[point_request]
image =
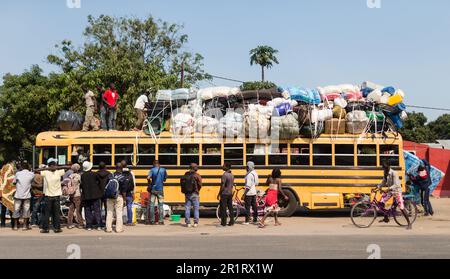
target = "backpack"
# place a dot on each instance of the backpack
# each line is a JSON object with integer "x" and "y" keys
{"x": 112, "y": 188}
{"x": 126, "y": 179}
{"x": 188, "y": 183}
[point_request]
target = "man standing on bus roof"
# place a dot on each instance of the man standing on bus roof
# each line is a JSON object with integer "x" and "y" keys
{"x": 140, "y": 110}
{"x": 226, "y": 195}
{"x": 191, "y": 190}
{"x": 156, "y": 178}
{"x": 110, "y": 98}
{"x": 91, "y": 108}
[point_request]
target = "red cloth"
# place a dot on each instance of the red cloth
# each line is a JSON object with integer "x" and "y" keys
{"x": 111, "y": 97}
{"x": 271, "y": 197}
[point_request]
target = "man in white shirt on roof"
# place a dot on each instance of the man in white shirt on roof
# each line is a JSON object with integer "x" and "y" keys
{"x": 140, "y": 110}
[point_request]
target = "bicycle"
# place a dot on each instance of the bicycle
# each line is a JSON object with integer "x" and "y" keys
{"x": 364, "y": 213}
{"x": 239, "y": 205}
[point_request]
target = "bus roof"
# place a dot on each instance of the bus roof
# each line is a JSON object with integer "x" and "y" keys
{"x": 53, "y": 138}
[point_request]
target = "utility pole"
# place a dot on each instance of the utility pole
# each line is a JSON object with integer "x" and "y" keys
{"x": 182, "y": 74}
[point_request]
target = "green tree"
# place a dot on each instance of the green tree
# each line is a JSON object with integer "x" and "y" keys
{"x": 441, "y": 127}
{"x": 135, "y": 54}
{"x": 263, "y": 56}
{"x": 415, "y": 129}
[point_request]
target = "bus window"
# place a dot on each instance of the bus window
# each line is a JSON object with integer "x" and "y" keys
{"x": 234, "y": 154}
{"x": 123, "y": 152}
{"x": 102, "y": 153}
{"x": 47, "y": 153}
{"x": 80, "y": 153}
{"x": 278, "y": 154}
{"x": 189, "y": 154}
{"x": 168, "y": 154}
{"x": 145, "y": 154}
{"x": 257, "y": 154}
{"x": 61, "y": 155}
{"x": 344, "y": 154}
{"x": 322, "y": 155}
{"x": 300, "y": 154}
{"x": 212, "y": 155}
{"x": 390, "y": 152}
{"x": 367, "y": 155}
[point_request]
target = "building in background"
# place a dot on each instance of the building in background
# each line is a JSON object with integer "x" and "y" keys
{"x": 438, "y": 154}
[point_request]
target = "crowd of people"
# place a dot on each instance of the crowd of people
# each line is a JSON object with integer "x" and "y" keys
{"x": 39, "y": 192}
{"x": 37, "y": 198}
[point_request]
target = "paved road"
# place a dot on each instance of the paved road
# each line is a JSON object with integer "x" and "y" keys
{"x": 307, "y": 235}
{"x": 235, "y": 247}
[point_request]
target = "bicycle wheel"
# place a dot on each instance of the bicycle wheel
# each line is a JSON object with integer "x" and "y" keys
{"x": 363, "y": 214}
{"x": 411, "y": 210}
{"x": 236, "y": 212}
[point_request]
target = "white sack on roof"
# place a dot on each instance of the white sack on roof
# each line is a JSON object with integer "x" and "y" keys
{"x": 214, "y": 92}
{"x": 231, "y": 125}
{"x": 338, "y": 89}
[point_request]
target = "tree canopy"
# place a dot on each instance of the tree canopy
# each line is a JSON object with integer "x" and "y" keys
{"x": 263, "y": 56}
{"x": 135, "y": 54}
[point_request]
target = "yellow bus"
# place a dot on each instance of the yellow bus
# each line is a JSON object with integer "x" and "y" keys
{"x": 317, "y": 174}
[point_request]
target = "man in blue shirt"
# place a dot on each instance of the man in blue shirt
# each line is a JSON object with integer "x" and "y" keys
{"x": 156, "y": 178}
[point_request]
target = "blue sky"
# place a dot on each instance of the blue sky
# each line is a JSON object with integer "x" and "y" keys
{"x": 405, "y": 43}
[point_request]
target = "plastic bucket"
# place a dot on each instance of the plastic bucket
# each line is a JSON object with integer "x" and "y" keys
{"x": 175, "y": 218}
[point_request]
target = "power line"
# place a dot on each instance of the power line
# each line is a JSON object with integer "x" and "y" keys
{"x": 430, "y": 108}
{"x": 229, "y": 79}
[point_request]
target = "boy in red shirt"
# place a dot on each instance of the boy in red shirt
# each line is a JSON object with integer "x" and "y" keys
{"x": 109, "y": 108}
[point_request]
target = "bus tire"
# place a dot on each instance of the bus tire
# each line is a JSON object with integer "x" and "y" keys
{"x": 289, "y": 207}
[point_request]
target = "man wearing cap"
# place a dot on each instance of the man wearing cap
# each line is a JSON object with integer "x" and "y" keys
{"x": 91, "y": 195}
{"x": 52, "y": 195}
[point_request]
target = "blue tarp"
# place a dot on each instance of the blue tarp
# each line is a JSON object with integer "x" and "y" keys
{"x": 411, "y": 164}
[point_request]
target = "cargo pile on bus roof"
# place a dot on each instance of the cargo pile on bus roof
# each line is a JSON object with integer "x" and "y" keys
{"x": 277, "y": 113}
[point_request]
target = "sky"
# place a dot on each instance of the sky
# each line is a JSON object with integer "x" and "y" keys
{"x": 403, "y": 43}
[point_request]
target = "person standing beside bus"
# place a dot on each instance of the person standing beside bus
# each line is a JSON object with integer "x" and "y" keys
{"x": 109, "y": 108}
{"x": 127, "y": 182}
{"x": 91, "y": 195}
{"x": 191, "y": 190}
{"x": 423, "y": 180}
{"x": 226, "y": 195}
{"x": 104, "y": 176}
{"x": 52, "y": 195}
{"x": 37, "y": 195}
{"x": 22, "y": 197}
{"x": 75, "y": 198}
{"x": 251, "y": 181}
{"x": 275, "y": 186}
{"x": 156, "y": 178}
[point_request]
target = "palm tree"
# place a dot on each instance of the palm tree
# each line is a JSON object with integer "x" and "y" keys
{"x": 263, "y": 56}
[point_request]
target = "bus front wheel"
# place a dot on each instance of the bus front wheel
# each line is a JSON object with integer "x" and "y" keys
{"x": 287, "y": 207}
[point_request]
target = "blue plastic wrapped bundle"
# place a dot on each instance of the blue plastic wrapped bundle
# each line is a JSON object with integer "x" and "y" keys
{"x": 282, "y": 109}
{"x": 305, "y": 95}
{"x": 411, "y": 164}
{"x": 391, "y": 90}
